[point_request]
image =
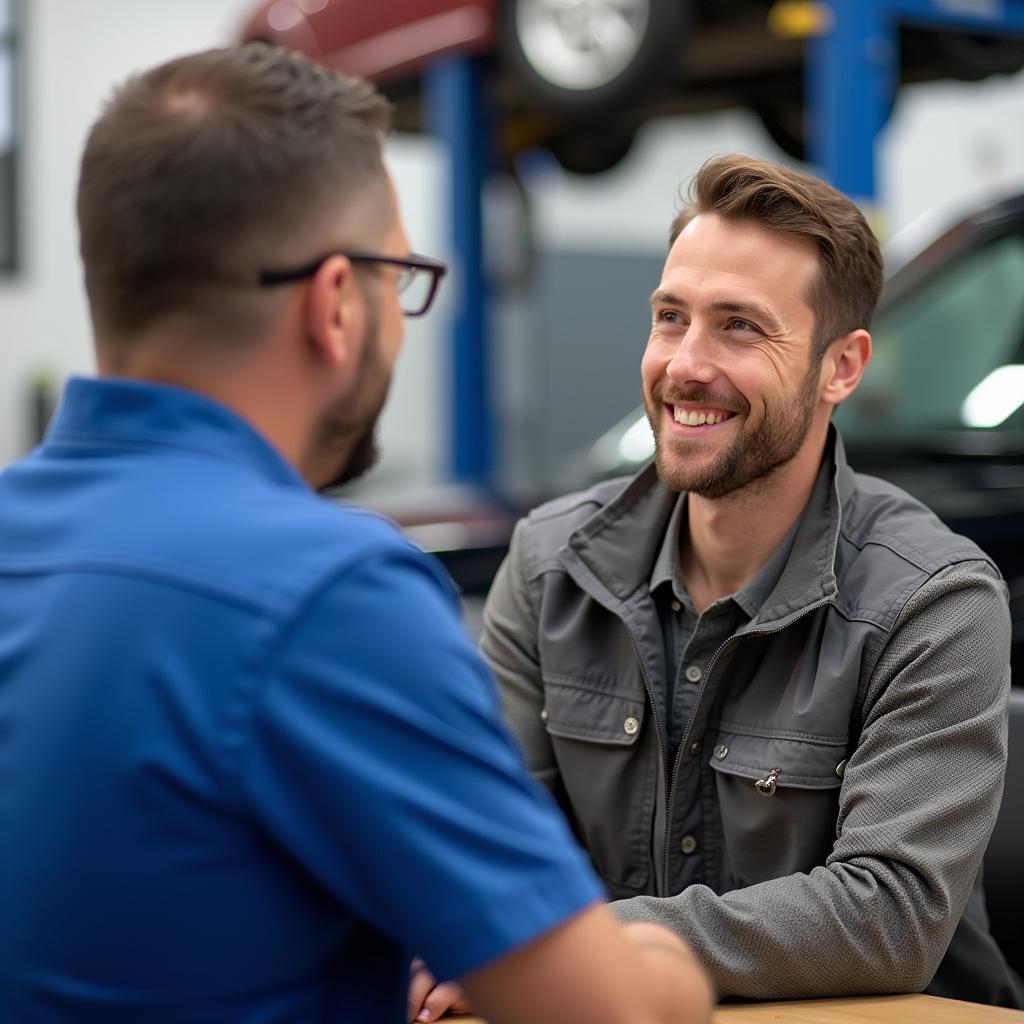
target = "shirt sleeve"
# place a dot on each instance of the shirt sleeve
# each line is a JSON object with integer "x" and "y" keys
{"x": 918, "y": 803}
{"x": 378, "y": 760}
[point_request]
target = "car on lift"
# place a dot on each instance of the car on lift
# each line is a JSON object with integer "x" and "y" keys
{"x": 578, "y": 77}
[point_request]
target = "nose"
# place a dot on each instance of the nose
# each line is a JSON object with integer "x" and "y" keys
{"x": 693, "y": 359}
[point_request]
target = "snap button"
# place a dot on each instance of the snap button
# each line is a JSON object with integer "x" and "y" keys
{"x": 841, "y": 769}
{"x": 693, "y": 674}
{"x": 695, "y": 748}
{"x": 721, "y": 752}
{"x": 688, "y": 845}
{"x": 631, "y": 725}
{"x": 544, "y": 715}
{"x": 676, "y": 606}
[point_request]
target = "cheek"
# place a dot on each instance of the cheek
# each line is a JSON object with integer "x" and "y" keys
{"x": 653, "y": 363}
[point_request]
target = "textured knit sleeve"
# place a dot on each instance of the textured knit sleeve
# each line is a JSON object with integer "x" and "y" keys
{"x": 918, "y": 803}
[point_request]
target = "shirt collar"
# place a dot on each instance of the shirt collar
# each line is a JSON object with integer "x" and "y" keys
{"x": 117, "y": 412}
{"x": 611, "y": 552}
{"x": 750, "y": 598}
{"x": 666, "y": 565}
{"x": 753, "y": 596}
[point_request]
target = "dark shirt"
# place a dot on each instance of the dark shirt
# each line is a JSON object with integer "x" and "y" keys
{"x": 691, "y": 638}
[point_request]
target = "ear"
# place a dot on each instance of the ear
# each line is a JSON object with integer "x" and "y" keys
{"x": 843, "y": 366}
{"x": 333, "y": 312}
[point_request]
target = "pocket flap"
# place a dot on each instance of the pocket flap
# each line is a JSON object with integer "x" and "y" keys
{"x": 579, "y": 713}
{"x": 801, "y": 763}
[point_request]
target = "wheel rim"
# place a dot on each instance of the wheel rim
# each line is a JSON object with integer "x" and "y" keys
{"x": 581, "y": 44}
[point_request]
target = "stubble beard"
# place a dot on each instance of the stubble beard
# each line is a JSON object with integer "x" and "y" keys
{"x": 755, "y": 453}
{"x": 350, "y": 424}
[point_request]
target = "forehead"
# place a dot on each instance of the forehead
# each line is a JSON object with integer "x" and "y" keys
{"x": 720, "y": 259}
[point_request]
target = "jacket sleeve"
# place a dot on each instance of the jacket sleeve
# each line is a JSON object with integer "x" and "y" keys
{"x": 918, "y": 803}
{"x": 508, "y": 642}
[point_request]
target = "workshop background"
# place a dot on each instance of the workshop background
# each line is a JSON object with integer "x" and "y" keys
{"x": 570, "y": 259}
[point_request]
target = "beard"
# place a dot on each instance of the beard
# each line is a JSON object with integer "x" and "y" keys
{"x": 347, "y": 432}
{"x": 756, "y": 451}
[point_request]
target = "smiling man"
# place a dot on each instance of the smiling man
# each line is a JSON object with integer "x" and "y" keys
{"x": 768, "y": 693}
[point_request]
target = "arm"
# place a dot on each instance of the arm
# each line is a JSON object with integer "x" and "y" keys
{"x": 593, "y": 972}
{"x": 375, "y": 756}
{"x": 918, "y": 802}
{"x": 644, "y": 969}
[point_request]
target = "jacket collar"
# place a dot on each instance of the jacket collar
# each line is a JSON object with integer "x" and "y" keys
{"x": 611, "y": 554}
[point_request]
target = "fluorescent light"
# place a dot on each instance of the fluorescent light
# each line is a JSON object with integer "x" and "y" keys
{"x": 996, "y": 398}
{"x": 637, "y": 443}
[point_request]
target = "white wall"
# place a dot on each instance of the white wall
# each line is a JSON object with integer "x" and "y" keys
{"x": 76, "y": 51}
{"x": 946, "y": 143}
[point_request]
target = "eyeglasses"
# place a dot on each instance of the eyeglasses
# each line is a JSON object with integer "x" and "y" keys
{"x": 417, "y": 282}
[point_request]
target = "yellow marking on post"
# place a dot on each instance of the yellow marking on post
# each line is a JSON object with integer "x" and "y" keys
{"x": 799, "y": 19}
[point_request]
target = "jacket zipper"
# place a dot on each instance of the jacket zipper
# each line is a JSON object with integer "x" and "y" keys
{"x": 684, "y": 742}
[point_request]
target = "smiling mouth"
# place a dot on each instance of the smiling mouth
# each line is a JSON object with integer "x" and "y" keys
{"x": 698, "y": 417}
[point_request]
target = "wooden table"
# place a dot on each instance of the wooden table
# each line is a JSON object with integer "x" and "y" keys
{"x": 913, "y": 1009}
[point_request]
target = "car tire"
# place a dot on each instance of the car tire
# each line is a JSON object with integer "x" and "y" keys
{"x": 961, "y": 55}
{"x": 784, "y": 123}
{"x": 547, "y": 43}
{"x": 594, "y": 151}
{"x": 779, "y": 104}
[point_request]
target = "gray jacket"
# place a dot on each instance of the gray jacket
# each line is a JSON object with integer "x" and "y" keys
{"x": 874, "y": 679}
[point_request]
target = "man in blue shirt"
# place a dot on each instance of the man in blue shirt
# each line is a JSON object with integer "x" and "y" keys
{"x": 249, "y": 764}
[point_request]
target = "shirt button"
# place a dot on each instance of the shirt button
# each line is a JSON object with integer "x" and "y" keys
{"x": 676, "y": 606}
{"x": 693, "y": 673}
{"x": 721, "y": 752}
{"x": 688, "y": 845}
{"x": 544, "y": 715}
{"x": 631, "y": 726}
{"x": 841, "y": 769}
{"x": 694, "y": 748}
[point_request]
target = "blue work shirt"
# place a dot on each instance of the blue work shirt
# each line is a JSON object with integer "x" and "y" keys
{"x": 249, "y": 762}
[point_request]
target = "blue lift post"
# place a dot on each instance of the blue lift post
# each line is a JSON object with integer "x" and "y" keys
{"x": 457, "y": 115}
{"x": 852, "y": 71}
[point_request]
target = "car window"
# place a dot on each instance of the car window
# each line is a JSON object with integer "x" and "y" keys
{"x": 948, "y": 355}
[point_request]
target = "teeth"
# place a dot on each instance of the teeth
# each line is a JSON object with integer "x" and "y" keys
{"x": 697, "y": 419}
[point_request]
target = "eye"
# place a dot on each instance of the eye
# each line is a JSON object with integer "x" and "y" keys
{"x": 667, "y": 316}
{"x": 739, "y": 324}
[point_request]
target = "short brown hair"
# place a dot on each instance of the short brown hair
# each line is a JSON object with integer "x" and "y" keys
{"x": 202, "y": 169}
{"x": 846, "y": 289}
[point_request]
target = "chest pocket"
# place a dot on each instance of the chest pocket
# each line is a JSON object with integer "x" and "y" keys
{"x": 602, "y": 746}
{"x": 778, "y": 797}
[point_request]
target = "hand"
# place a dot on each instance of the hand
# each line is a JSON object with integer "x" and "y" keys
{"x": 427, "y": 999}
{"x": 648, "y": 934}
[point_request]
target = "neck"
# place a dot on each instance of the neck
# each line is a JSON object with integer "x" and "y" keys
{"x": 730, "y": 538}
{"x": 265, "y": 391}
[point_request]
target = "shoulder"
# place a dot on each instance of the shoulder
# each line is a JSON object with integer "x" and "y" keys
{"x": 280, "y": 545}
{"x": 321, "y": 540}
{"x": 890, "y": 545}
{"x": 540, "y": 534}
